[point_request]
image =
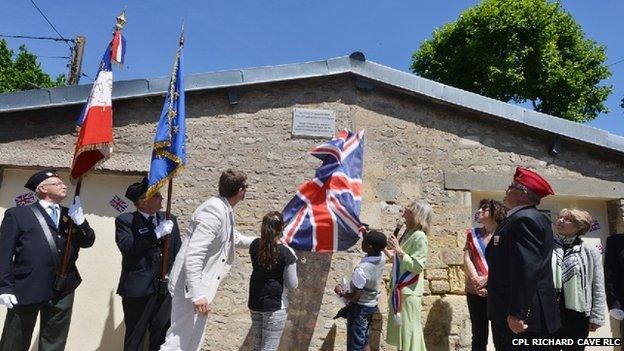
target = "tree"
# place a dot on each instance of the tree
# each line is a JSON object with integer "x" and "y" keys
{"x": 520, "y": 51}
{"x": 22, "y": 71}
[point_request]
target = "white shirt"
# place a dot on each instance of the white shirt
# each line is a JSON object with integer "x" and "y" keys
{"x": 156, "y": 220}
{"x": 358, "y": 277}
{"x": 47, "y": 206}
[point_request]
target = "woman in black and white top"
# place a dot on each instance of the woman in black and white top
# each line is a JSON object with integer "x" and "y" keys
{"x": 274, "y": 273}
{"x": 579, "y": 278}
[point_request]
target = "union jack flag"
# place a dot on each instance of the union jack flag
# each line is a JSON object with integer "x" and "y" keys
{"x": 324, "y": 214}
{"x": 24, "y": 199}
{"x": 594, "y": 226}
{"x": 117, "y": 203}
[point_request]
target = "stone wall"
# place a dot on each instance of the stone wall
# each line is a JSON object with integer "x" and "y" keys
{"x": 410, "y": 144}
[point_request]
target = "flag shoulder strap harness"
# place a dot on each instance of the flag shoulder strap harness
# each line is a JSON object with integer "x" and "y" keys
{"x": 476, "y": 246}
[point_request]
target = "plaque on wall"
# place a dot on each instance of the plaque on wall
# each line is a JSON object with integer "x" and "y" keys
{"x": 313, "y": 123}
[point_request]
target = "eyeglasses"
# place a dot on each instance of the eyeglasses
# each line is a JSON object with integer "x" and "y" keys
{"x": 565, "y": 219}
{"x": 517, "y": 187}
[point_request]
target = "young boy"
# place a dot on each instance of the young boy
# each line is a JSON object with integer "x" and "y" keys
{"x": 364, "y": 290}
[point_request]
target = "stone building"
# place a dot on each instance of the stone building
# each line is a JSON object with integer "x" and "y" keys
{"x": 423, "y": 139}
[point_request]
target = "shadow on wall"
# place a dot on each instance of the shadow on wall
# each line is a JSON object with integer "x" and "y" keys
{"x": 304, "y": 303}
{"x": 330, "y": 340}
{"x": 111, "y": 335}
{"x": 438, "y": 326}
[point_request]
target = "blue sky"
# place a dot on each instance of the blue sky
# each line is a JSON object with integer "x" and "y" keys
{"x": 232, "y": 34}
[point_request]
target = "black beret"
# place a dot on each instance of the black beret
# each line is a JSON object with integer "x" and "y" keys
{"x": 37, "y": 178}
{"x": 136, "y": 190}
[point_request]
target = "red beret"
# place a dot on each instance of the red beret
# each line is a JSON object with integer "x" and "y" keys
{"x": 533, "y": 181}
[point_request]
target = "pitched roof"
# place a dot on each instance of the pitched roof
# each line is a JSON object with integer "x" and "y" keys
{"x": 355, "y": 64}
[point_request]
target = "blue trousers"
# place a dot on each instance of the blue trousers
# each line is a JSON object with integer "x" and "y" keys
{"x": 358, "y": 322}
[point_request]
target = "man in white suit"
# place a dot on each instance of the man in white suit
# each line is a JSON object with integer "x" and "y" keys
{"x": 205, "y": 258}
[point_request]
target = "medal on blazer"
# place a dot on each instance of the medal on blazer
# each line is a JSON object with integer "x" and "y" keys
{"x": 496, "y": 239}
{"x": 64, "y": 219}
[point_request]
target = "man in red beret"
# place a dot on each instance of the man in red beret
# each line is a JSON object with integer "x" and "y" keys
{"x": 521, "y": 294}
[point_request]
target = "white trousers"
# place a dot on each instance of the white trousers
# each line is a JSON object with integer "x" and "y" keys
{"x": 187, "y": 329}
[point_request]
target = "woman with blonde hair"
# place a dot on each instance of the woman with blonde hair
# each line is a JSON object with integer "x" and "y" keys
{"x": 579, "y": 279}
{"x": 409, "y": 257}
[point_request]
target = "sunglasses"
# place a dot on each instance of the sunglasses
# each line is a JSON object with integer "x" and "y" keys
{"x": 517, "y": 187}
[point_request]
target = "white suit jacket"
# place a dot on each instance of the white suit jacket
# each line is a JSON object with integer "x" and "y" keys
{"x": 207, "y": 251}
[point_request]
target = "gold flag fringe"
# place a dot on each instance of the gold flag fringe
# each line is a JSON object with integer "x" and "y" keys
{"x": 156, "y": 187}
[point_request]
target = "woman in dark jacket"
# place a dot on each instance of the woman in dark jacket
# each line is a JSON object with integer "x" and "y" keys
{"x": 489, "y": 215}
{"x": 274, "y": 273}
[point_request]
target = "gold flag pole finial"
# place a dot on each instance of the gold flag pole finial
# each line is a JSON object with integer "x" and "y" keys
{"x": 121, "y": 20}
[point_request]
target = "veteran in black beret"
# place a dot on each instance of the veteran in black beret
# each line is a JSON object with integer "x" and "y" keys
{"x": 32, "y": 240}
{"x": 139, "y": 236}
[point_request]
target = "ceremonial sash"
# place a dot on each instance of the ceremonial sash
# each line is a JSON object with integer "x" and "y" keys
{"x": 400, "y": 281}
{"x": 477, "y": 249}
{"x": 48, "y": 235}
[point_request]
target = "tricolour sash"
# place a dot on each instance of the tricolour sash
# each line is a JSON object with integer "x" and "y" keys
{"x": 400, "y": 281}
{"x": 477, "y": 249}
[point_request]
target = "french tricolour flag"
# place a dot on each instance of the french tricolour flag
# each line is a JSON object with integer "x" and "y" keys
{"x": 94, "y": 144}
{"x": 118, "y": 47}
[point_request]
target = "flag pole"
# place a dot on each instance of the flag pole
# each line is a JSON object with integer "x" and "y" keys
{"x": 59, "y": 284}
{"x": 165, "y": 243}
{"x": 164, "y": 264}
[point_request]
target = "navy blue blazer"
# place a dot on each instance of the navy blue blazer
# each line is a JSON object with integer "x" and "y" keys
{"x": 520, "y": 279}
{"x": 26, "y": 263}
{"x": 141, "y": 253}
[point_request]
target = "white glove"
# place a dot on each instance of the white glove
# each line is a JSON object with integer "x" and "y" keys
{"x": 9, "y": 300}
{"x": 617, "y": 314}
{"x": 75, "y": 212}
{"x": 164, "y": 228}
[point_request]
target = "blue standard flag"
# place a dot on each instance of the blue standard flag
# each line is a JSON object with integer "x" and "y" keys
{"x": 169, "y": 155}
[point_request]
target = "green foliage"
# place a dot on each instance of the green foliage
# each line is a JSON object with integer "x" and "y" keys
{"x": 22, "y": 71}
{"x": 520, "y": 50}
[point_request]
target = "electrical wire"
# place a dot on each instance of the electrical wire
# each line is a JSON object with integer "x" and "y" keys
{"x": 35, "y": 38}
{"x": 50, "y": 23}
{"x": 616, "y": 62}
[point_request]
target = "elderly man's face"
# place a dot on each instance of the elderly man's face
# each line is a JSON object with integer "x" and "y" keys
{"x": 515, "y": 195}
{"x": 54, "y": 189}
